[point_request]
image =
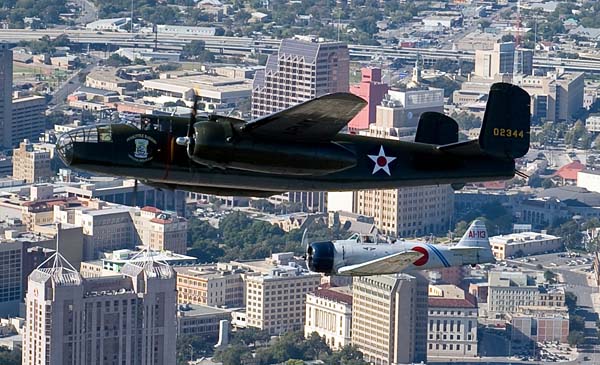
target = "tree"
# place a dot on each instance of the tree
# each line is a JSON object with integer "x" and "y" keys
{"x": 575, "y": 338}
{"x": 116, "y": 61}
{"x": 571, "y": 234}
{"x": 191, "y": 347}
{"x": 348, "y": 355}
{"x": 550, "y": 277}
{"x": 445, "y": 65}
{"x": 466, "y": 120}
{"x": 461, "y": 228}
{"x": 8, "y": 357}
{"x": 508, "y": 38}
{"x": 571, "y": 301}
{"x": 484, "y": 23}
{"x": 232, "y": 354}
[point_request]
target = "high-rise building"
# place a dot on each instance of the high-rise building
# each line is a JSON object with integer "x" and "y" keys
{"x": 128, "y": 319}
{"x": 6, "y": 78}
{"x": 452, "y": 330}
{"x": 389, "y": 318}
{"x": 410, "y": 211}
{"x": 500, "y": 60}
{"x": 275, "y": 302}
{"x": 11, "y": 261}
{"x": 300, "y": 71}
{"x": 329, "y": 313}
{"x": 28, "y": 120}
{"x": 30, "y": 164}
{"x": 373, "y": 90}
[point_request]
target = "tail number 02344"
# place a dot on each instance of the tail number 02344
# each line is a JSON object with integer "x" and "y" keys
{"x": 505, "y": 132}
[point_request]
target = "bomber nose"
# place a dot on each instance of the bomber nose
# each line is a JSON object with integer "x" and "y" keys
{"x": 64, "y": 148}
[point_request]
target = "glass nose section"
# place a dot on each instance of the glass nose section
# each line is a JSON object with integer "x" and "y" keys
{"x": 64, "y": 148}
{"x": 66, "y": 144}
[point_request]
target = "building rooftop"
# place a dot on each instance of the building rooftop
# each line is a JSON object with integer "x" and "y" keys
{"x": 572, "y": 196}
{"x": 335, "y": 294}
{"x": 517, "y": 238}
{"x": 192, "y": 310}
{"x": 570, "y": 170}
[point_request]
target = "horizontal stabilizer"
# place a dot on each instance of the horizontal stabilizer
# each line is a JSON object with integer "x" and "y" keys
{"x": 384, "y": 265}
{"x": 436, "y": 128}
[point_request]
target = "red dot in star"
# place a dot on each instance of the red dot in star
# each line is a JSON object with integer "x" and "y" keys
{"x": 381, "y": 161}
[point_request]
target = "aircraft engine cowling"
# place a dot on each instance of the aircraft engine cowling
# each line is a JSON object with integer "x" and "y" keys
{"x": 219, "y": 144}
{"x": 320, "y": 257}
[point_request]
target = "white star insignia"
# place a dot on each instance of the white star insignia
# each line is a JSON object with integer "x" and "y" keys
{"x": 382, "y": 162}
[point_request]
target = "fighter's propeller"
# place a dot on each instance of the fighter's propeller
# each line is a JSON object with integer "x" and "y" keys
{"x": 188, "y": 140}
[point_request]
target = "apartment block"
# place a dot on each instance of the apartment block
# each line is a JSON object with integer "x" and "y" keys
{"x": 452, "y": 328}
{"x": 275, "y": 302}
{"x": 211, "y": 285}
{"x": 329, "y": 314}
{"x": 508, "y": 291}
{"x": 300, "y": 71}
{"x": 128, "y": 319}
{"x": 30, "y": 164}
{"x": 389, "y": 318}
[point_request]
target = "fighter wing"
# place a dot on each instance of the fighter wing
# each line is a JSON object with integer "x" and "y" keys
{"x": 317, "y": 120}
{"x": 384, "y": 265}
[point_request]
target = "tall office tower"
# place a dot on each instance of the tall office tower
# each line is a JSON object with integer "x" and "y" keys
{"x": 389, "y": 318}
{"x": 410, "y": 211}
{"x": 373, "y": 90}
{"x": 125, "y": 320}
{"x": 6, "y": 78}
{"x": 300, "y": 71}
{"x": 30, "y": 164}
{"x": 28, "y": 120}
{"x": 500, "y": 60}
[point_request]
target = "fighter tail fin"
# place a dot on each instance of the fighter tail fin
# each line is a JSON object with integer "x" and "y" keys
{"x": 506, "y": 122}
{"x": 475, "y": 236}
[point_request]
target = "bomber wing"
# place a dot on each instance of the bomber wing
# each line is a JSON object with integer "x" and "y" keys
{"x": 317, "y": 120}
{"x": 384, "y": 265}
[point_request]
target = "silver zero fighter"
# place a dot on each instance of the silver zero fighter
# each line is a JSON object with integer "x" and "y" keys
{"x": 356, "y": 257}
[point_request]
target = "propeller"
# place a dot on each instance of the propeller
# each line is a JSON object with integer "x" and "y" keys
{"x": 304, "y": 243}
{"x": 188, "y": 140}
{"x": 135, "y": 191}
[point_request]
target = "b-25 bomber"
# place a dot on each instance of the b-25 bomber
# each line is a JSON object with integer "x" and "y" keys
{"x": 301, "y": 148}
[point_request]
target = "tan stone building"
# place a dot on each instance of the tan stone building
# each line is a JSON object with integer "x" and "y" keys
{"x": 30, "y": 164}
{"x": 128, "y": 319}
{"x": 329, "y": 313}
{"x": 556, "y": 96}
{"x": 452, "y": 328}
{"x": 212, "y": 285}
{"x": 275, "y": 302}
{"x": 161, "y": 231}
{"x": 389, "y": 318}
{"x": 524, "y": 244}
{"x": 539, "y": 324}
{"x": 410, "y": 211}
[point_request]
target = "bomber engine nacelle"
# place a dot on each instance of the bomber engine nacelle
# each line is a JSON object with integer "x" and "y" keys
{"x": 223, "y": 145}
{"x": 320, "y": 257}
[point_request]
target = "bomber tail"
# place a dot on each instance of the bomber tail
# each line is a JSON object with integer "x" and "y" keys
{"x": 506, "y": 122}
{"x": 475, "y": 244}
